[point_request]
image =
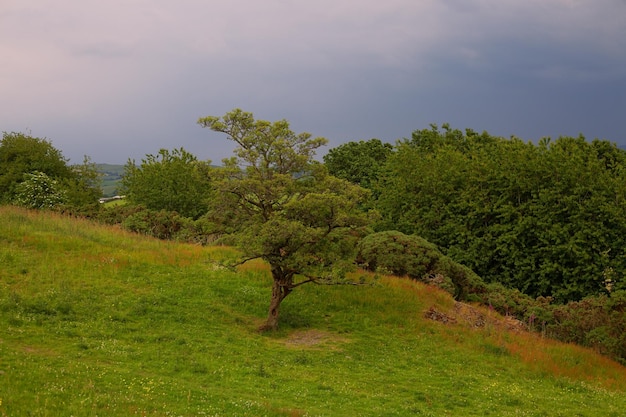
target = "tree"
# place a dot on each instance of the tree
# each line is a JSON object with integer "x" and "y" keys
{"x": 548, "y": 219}
{"x": 281, "y": 206}
{"x": 83, "y": 188}
{"x": 358, "y": 162}
{"x": 23, "y": 154}
{"x": 171, "y": 180}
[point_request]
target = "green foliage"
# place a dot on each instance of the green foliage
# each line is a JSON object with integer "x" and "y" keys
{"x": 72, "y": 188}
{"x": 111, "y": 178}
{"x": 403, "y": 255}
{"x": 358, "y": 162}
{"x": 83, "y": 188}
{"x": 22, "y": 154}
{"x": 597, "y": 322}
{"x": 160, "y": 224}
{"x": 95, "y": 321}
{"x": 548, "y": 219}
{"x": 171, "y": 180}
{"x": 39, "y": 191}
{"x": 279, "y": 205}
{"x": 399, "y": 254}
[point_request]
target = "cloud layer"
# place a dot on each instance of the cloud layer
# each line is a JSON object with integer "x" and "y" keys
{"x": 121, "y": 79}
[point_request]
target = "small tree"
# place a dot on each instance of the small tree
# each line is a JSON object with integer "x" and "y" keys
{"x": 281, "y": 206}
{"x": 23, "y": 154}
{"x": 83, "y": 188}
{"x": 171, "y": 180}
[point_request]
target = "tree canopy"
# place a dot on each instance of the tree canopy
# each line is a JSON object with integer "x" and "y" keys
{"x": 24, "y": 158}
{"x": 282, "y": 206}
{"x": 22, "y": 154}
{"x": 358, "y": 162}
{"x": 546, "y": 218}
{"x": 171, "y": 180}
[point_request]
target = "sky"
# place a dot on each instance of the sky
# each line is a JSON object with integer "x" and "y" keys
{"x": 121, "y": 79}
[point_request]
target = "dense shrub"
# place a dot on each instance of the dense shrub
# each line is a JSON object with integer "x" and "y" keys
{"x": 171, "y": 180}
{"x": 597, "y": 322}
{"x": 162, "y": 224}
{"x": 34, "y": 174}
{"x": 408, "y": 255}
{"x": 39, "y": 191}
{"x": 548, "y": 219}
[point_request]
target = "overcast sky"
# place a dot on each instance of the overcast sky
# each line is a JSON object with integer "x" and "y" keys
{"x": 120, "y": 79}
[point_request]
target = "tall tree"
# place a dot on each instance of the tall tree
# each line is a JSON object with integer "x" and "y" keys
{"x": 171, "y": 180}
{"x": 358, "y": 162}
{"x": 282, "y": 206}
{"x": 546, "y": 218}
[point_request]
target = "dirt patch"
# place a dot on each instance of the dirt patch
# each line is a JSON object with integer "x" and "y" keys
{"x": 314, "y": 339}
{"x": 474, "y": 317}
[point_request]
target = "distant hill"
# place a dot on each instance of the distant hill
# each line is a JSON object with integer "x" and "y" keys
{"x": 111, "y": 176}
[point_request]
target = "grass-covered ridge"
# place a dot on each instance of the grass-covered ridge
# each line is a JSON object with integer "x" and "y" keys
{"x": 96, "y": 321}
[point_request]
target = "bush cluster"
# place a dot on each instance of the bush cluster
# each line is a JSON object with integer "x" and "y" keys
{"x": 161, "y": 224}
{"x": 596, "y": 321}
{"x": 409, "y": 255}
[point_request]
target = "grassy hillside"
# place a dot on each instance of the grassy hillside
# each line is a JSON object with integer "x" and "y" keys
{"x": 95, "y": 321}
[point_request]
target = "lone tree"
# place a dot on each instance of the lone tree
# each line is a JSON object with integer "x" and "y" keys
{"x": 280, "y": 205}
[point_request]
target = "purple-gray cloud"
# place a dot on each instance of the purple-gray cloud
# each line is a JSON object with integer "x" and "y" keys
{"x": 121, "y": 79}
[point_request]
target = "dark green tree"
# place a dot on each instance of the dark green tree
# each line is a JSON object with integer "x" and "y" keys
{"x": 546, "y": 218}
{"x": 25, "y": 158}
{"x": 171, "y": 180}
{"x": 283, "y": 207}
{"x": 358, "y": 162}
{"x": 22, "y": 154}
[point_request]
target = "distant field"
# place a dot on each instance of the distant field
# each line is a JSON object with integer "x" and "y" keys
{"x": 111, "y": 176}
{"x": 95, "y": 321}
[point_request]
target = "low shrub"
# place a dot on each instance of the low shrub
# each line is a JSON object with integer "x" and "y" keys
{"x": 597, "y": 322}
{"x": 409, "y": 255}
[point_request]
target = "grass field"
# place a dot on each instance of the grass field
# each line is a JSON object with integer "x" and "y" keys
{"x": 95, "y": 321}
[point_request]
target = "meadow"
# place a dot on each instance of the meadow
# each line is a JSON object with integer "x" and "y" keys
{"x": 95, "y": 321}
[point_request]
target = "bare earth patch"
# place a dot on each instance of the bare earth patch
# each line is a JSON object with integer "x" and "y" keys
{"x": 474, "y": 317}
{"x": 314, "y": 339}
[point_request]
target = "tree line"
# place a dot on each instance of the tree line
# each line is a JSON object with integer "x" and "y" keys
{"x": 548, "y": 219}
{"x": 535, "y": 230}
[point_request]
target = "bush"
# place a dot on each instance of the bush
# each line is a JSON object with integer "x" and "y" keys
{"x": 39, "y": 191}
{"x": 408, "y": 255}
{"x": 597, "y": 322}
{"x": 162, "y": 224}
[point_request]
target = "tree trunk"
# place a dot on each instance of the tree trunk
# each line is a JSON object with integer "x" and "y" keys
{"x": 281, "y": 287}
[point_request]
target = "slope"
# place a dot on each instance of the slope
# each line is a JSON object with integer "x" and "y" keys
{"x": 96, "y": 321}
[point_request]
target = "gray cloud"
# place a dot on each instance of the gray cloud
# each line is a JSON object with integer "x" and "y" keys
{"x": 120, "y": 79}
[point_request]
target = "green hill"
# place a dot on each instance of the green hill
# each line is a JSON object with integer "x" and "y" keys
{"x": 111, "y": 176}
{"x": 96, "y": 321}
